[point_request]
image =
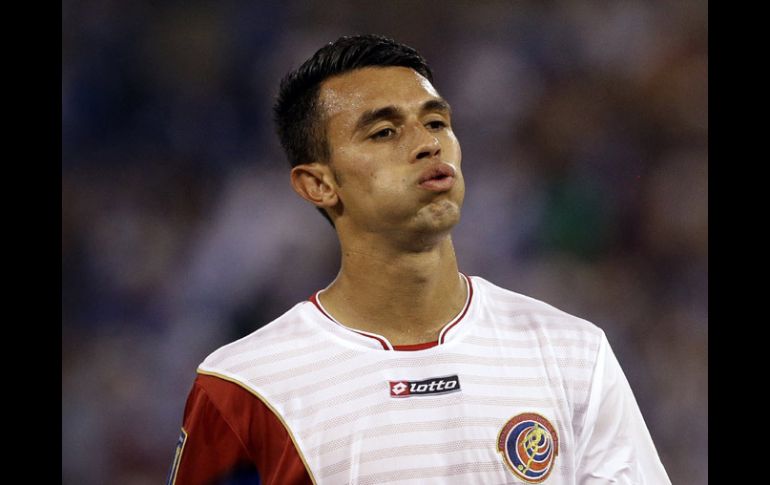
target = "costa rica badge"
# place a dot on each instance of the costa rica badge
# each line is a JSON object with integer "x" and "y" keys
{"x": 529, "y": 443}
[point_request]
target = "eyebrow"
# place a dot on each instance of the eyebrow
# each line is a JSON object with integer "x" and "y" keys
{"x": 391, "y": 112}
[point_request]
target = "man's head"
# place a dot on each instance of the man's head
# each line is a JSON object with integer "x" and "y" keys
{"x": 355, "y": 84}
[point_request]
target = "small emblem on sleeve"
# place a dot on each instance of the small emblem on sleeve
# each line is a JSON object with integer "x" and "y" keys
{"x": 177, "y": 457}
{"x": 528, "y": 443}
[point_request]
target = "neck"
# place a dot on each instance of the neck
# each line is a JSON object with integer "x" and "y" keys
{"x": 405, "y": 296}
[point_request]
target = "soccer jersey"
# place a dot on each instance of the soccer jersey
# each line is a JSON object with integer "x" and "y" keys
{"x": 513, "y": 391}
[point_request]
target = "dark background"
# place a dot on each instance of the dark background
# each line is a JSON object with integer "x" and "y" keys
{"x": 584, "y": 129}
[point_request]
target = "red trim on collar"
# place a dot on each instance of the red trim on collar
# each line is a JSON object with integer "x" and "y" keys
{"x": 385, "y": 345}
{"x": 412, "y": 347}
{"x": 445, "y": 330}
{"x": 314, "y": 298}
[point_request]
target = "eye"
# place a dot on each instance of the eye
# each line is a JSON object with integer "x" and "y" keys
{"x": 383, "y": 134}
{"x": 436, "y": 125}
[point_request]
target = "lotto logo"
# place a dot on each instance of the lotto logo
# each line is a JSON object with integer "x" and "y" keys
{"x": 435, "y": 385}
{"x": 399, "y": 388}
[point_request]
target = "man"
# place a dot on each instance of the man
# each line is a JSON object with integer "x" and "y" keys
{"x": 404, "y": 369}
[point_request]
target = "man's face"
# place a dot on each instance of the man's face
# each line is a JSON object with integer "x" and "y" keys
{"x": 393, "y": 152}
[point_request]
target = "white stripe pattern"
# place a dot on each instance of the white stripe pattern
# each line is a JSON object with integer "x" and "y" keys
{"x": 512, "y": 354}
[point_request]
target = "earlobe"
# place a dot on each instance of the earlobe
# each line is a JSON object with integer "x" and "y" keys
{"x": 314, "y": 183}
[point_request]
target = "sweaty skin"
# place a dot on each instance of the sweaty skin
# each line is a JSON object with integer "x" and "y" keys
{"x": 399, "y": 275}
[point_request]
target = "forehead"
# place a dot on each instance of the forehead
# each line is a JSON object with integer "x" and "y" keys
{"x": 354, "y": 92}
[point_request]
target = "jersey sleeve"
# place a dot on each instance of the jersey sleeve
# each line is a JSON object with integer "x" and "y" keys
{"x": 229, "y": 433}
{"x": 615, "y": 445}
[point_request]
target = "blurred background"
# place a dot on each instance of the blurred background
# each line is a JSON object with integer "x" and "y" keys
{"x": 584, "y": 130}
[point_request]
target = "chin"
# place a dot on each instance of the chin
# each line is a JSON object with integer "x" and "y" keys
{"x": 439, "y": 216}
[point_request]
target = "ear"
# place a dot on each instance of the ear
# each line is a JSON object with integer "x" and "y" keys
{"x": 315, "y": 183}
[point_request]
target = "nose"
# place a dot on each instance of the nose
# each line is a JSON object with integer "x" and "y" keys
{"x": 427, "y": 146}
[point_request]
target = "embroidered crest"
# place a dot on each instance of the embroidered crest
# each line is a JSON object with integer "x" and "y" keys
{"x": 529, "y": 443}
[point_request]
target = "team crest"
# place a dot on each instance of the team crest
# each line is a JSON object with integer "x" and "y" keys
{"x": 529, "y": 444}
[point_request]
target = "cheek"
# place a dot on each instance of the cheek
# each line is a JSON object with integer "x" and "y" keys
{"x": 451, "y": 147}
{"x": 362, "y": 178}
{"x": 368, "y": 171}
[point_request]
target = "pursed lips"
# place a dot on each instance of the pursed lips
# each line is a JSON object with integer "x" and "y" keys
{"x": 438, "y": 177}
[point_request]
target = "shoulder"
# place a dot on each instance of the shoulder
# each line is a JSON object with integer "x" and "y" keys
{"x": 517, "y": 311}
{"x": 283, "y": 335}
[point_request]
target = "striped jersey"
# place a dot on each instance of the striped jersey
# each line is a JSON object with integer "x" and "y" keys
{"x": 513, "y": 391}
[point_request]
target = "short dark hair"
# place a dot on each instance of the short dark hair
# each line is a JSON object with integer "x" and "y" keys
{"x": 299, "y": 121}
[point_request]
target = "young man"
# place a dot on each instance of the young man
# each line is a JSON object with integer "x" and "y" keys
{"x": 404, "y": 369}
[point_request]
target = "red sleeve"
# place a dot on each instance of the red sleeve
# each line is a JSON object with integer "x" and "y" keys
{"x": 230, "y": 429}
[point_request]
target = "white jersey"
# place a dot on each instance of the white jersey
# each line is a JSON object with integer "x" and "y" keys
{"x": 514, "y": 391}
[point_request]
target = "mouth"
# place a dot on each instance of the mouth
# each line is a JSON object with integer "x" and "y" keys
{"x": 438, "y": 178}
